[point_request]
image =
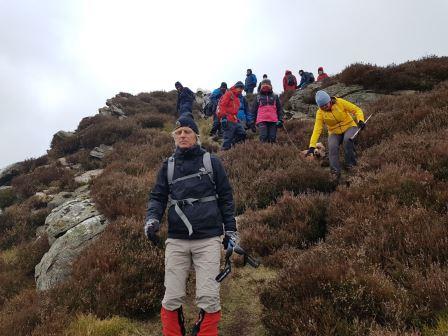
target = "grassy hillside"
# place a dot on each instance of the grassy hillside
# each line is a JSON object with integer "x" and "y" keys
{"x": 365, "y": 258}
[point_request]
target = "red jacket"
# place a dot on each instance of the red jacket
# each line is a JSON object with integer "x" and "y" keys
{"x": 229, "y": 104}
{"x": 287, "y": 87}
{"x": 322, "y": 77}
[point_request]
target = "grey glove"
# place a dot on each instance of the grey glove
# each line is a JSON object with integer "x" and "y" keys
{"x": 152, "y": 226}
{"x": 231, "y": 238}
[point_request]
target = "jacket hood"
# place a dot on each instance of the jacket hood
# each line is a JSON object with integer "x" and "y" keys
{"x": 288, "y": 72}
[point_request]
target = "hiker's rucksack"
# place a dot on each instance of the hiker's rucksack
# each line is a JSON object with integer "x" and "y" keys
{"x": 206, "y": 170}
{"x": 311, "y": 77}
{"x": 290, "y": 80}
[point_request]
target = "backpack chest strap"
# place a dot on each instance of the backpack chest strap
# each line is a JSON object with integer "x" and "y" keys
{"x": 188, "y": 201}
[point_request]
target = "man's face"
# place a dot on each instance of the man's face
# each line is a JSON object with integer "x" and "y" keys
{"x": 223, "y": 90}
{"x": 248, "y": 73}
{"x": 320, "y": 72}
{"x": 184, "y": 137}
{"x": 239, "y": 90}
{"x": 326, "y": 107}
{"x": 179, "y": 88}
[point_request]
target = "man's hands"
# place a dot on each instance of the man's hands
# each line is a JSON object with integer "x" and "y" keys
{"x": 361, "y": 124}
{"x": 311, "y": 151}
{"x": 231, "y": 238}
{"x": 152, "y": 226}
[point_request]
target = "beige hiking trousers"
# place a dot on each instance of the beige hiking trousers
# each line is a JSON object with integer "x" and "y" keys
{"x": 205, "y": 256}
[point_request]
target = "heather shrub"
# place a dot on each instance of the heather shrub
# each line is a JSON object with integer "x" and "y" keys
{"x": 20, "y": 315}
{"x": 297, "y": 134}
{"x": 41, "y": 178}
{"x": 327, "y": 292}
{"x": 413, "y": 115}
{"x": 90, "y": 325}
{"x": 30, "y": 254}
{"x": 120, "y": 274}
{"x": 420, "y": 75}
{"x": 18, "y": 224}
{"x": 108, "y": 131}
{"x": 426, "y": 152}
{"x": 63, "y": 146}
{"x": 154, "y": 120}
{"x": 292, "y": 222}
{"x": 29, "y": 165}
{"x": 439, "y": 329}
{"x": 7, "y": 198}
{"x": 260, "y": 173}
{"x": 118, "y": 194}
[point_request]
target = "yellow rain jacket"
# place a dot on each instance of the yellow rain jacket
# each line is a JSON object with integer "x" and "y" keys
{"x": 338, "y": 120}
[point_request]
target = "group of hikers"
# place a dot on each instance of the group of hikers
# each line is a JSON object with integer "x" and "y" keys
{"x": 194, "y": 186}
{"x": 230, "y": 110}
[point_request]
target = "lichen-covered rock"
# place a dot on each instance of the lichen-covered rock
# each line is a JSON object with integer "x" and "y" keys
{"x": 69, "y": 215}
{"x": 56, "y": 264}
{"x": 88, "y": 176}
{"x": 303, "y": 104}
{"x": 101, "y": 151}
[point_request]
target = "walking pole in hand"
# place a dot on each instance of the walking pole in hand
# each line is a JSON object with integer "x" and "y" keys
{"x": 359, "y": 129}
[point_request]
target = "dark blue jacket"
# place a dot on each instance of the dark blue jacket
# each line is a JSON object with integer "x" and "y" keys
{"x": 206, "y": 218}
{"x": 215, "y": 97}
{"x": 306, "y": 78}
{"x": 250, "y": 82}
{"x": 185, "y": 99}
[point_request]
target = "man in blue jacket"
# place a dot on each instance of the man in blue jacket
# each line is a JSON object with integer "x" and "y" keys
{"x": 306, "y": 79}
{"x": 214, "y": 98}
{"x": 185, "y": 99}
{"x": 194, "y": 186}
{"x": 251, "y": 82}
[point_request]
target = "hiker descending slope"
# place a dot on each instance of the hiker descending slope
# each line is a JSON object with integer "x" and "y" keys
{"x": 322, "y": 74}
{"x": 259, "y": 84}
{"x": 289, "y": 81}
{"x": 214, "y": 100}
{"x": 243, "y": 111}
{"x": 185, "y": 99}
{"x": 306, "y": 79}
{"x": 229, "y": 105}
{"x": 336, "y": 114}
{"x": 251, "y": 82}
{"x": 267, "y": 113}
{"x": 194, "y": 186}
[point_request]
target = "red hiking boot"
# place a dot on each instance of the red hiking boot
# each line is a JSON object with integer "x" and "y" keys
{"x": 207, "y": 324}
{"x": 172, "y": 322}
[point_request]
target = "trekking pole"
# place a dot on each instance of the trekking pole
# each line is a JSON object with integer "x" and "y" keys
{"x": 359, "y": 129}
{"x": 228, "y": 265}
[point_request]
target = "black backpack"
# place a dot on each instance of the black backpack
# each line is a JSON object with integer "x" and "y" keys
{"x": 290, "y": 80}
{"x": 311, "y": 77}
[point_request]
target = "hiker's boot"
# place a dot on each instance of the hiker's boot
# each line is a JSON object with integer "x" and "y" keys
{"x": 207, "y": 324}
{"x": 172, "y": 322}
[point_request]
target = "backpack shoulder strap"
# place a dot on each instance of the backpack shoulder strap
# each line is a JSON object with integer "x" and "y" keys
{"x": 207, "y": 162}
{"x": 170, "y": 171}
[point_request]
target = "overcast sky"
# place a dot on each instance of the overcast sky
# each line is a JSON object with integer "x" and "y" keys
{"x": 61, "y": 59}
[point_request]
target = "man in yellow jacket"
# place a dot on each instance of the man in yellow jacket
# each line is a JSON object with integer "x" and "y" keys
{"x": 337, "y": 114}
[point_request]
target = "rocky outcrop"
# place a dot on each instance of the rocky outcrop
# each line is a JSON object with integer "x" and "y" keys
{"x": 112, "y": 110}
{"x": 8, "y": 173}
{"x": 101, "y": 151}
{"x": 70, "y": 228}
{"x": 303, "y": 103}
{"x": 88, "y": 176}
